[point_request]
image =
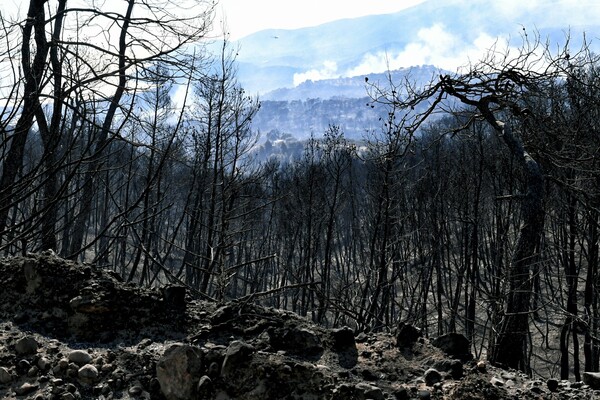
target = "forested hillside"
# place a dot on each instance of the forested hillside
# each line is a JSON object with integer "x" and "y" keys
{"x": 470, "y": 205}
{"x": 311, "y": 107}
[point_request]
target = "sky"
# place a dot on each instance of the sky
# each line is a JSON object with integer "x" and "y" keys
{"x": 244, "y": 17}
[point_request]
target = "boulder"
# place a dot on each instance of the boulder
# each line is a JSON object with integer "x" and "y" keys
{"x": 174, "y": 297}
{"x": 5, "y": 375}
{"x": 343, "y": 339}
{"x": 296, "y": 340}
{"x": 26, "y": 388}
{"x": 407, "y": 335}
{"x": 455, "y": 345}
{"x": 552, "y": 384}
{"x": 205, "y": 387}
{"x": 26, "y": 345}
{"x": 88, "y": 373}
{"x": 179, "y": 371}
{"x": 80, "y": 357}
{"x": 592, "y": 379}
{"x": 237, "y": 355}
{"x": 432, "y": 376}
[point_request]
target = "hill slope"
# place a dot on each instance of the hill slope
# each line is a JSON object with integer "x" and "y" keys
{"x": 98, "y": 337}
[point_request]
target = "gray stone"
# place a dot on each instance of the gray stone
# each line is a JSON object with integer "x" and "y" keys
{"x": 579, "y": 384}
{"x": 407, "y": 335}
{"x": 80, "y": 357}
{"x": 592, "y": 379}
{"x": 343, "y": 339}
{"x": 455, "y": 345}
{"x": 370, "y": 391}
{"x": 26, "y": 345}
{"x": 26, "y": 388}
{"x": 552, "y": 384}
{"x": 432, "y": 376}
{"x": 496, "y": 381}
{"x": 34, "y": 280}
{"x": 23, "y": 366}
{"x": 5, "y": 375}
{"x": 401, "y": 393}
{"x": 237, "y": 354}
{"x": 43, "y": 364}
{"x": 294, "y": 340}
{"x": 205, "y": 387}
{"x": 135, "y": 390}
{"x": 88, "y": 373}
{"x": 175, "y": 297}
{"x": 508, "y": 376}
{"x": 178, "y": 371}
{"x": 456, "y": 369}
{"x": 424, "y": 394}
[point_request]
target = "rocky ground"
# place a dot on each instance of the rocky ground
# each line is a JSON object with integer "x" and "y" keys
{"x": 70, "y": 331}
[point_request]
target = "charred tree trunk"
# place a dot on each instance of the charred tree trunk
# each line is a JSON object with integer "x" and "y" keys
{"x": 511, "y": 343}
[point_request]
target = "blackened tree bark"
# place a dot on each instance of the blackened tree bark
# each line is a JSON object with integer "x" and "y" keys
{"x": 511, "y": 345}
{"x": 33, "y": 70}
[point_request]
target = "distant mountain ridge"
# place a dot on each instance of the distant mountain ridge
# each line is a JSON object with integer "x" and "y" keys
{"x": 350, "y": 87}
{"x": 432, "y": 31}
{"x": 311, "y": 107}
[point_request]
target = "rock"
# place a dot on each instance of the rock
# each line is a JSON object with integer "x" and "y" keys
{"x": 407, "y": 335}
{"x": 213, "y": 370}
{"x": 80, "y": 357}
{"x": 481, "y": 366}
{"x": 23, "y": 367}
{"x": 579, "y": 384}
{"x": 135, "y": 390}
{"x": 34, "y": 280}
{"x": 552, "y": 384}
{"x": 369, "y": 375}
{"x": 592, "y": 379}
{"x": 370, "y": 391}
{"x": 26, "y": 345}
{"x": 178, "y": 371}
{"x": 343, "y": 339}
{"x": 456, "y": 369}
{"x": 401, "y": 393}
{"x": 497, "y": 381}
{"x": 359, "y": 391}
{"x": 43, "y": 364}
{"x": 237, "y": 354}
{"x": 175, "y": 297}
{"x": 296, "y": 340}
{"x": 88, "y": 373}
{"x": 536, "y": 390}
{"x": 432, "y": 376}
{"x": 508, "y": 376}
{"x": 5, "y": 375}
{"x": 26, "y": 388}
{"x": 455, "y": 345}
{"x": 205, "y": 387}
{"x": 424, "y": 395}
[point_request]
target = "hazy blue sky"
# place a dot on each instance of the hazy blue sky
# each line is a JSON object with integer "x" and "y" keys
{"x": 247, "y": 16}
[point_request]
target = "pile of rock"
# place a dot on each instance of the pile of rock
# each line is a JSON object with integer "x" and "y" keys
{"x": 64, "y": 299}
{"x": 70, "y": 331}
